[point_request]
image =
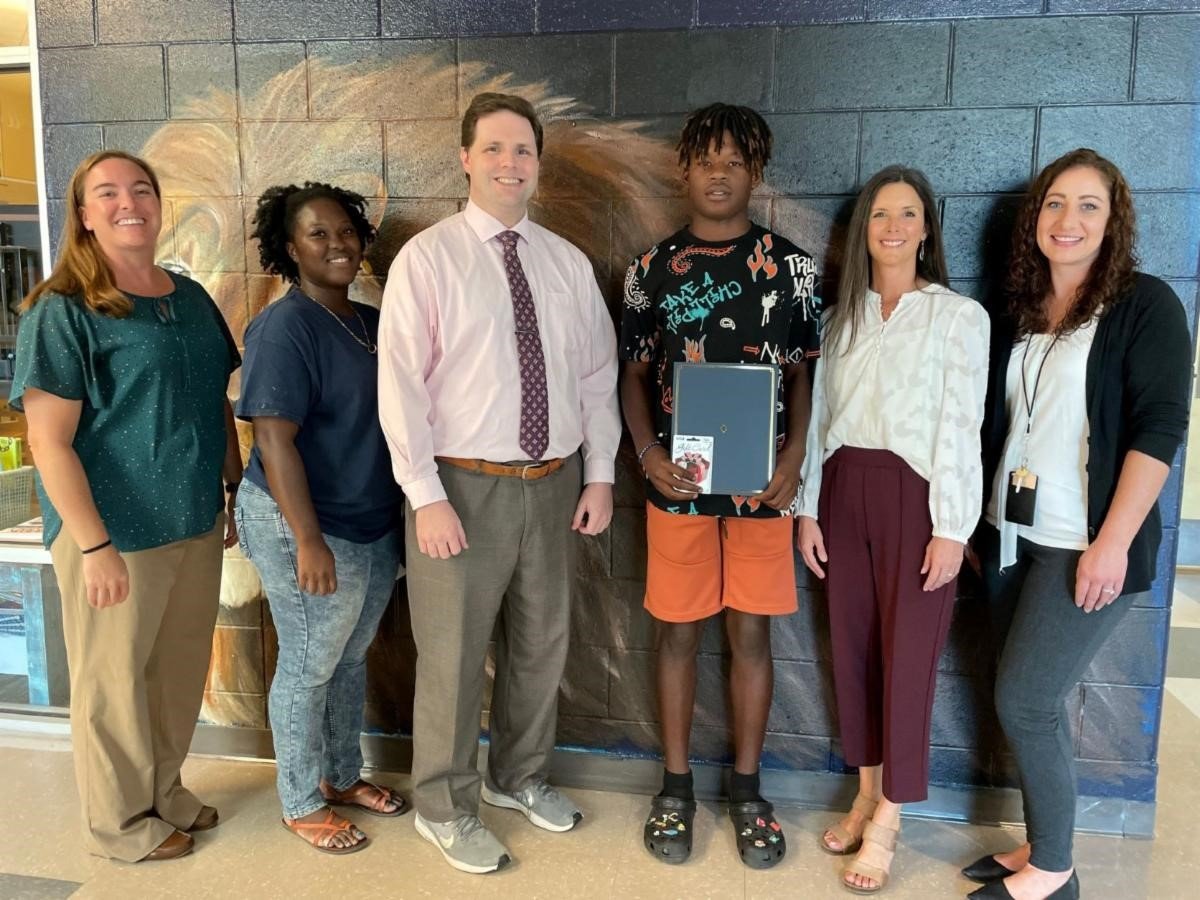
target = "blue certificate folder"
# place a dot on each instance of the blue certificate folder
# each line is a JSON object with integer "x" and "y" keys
{"x": 734, "y": 405}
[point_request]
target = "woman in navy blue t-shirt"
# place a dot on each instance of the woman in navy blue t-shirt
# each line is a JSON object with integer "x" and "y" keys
{"x": 318, "y": 512}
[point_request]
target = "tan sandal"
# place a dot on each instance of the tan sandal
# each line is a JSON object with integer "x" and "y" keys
{"x": 874, "y": 834}
{"x": 370, "y": 798}
{"x": 850, "y": 842}
{"x": 318, "y": 834}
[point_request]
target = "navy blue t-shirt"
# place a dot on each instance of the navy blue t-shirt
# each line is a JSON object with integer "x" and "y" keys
{"x": 301, "y": 365}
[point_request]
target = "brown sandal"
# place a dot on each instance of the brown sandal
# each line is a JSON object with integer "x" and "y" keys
{"x": 370, "y": 798}
{"x": 313, "y": 833}
{"x": 865, "y": 807}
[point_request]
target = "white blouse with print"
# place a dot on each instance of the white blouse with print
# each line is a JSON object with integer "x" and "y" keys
{"x": 915, "y": 385}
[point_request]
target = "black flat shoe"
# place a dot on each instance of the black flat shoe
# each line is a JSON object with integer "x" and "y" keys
{"x": 985, "y": 870}
{"x": 997, "y": 891}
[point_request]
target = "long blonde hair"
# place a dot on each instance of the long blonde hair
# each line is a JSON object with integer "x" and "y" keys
{"x": 81, "y": 269}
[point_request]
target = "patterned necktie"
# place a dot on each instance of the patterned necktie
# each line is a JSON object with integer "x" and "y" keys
{"x": 535, "y": 410}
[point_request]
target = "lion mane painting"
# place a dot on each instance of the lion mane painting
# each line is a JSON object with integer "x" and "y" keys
{"x": 609, "y": 186}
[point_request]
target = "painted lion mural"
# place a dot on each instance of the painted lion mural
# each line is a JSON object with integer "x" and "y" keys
{"x": 609, "y": 186}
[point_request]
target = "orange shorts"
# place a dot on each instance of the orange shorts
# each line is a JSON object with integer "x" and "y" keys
{"x": 697, "y": 565}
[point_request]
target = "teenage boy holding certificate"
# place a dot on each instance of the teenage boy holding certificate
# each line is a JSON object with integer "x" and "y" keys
{"x": 721, "y": 290}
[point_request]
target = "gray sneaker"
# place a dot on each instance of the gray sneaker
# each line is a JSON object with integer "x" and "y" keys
{"x": 543, "y": 805}
{"x": 466, "y": 843}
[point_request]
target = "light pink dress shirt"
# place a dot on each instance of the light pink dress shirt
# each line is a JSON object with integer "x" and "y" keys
{"x": 449, "y": 379}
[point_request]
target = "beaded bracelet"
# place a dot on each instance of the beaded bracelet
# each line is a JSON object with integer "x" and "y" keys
{"x": 646, "y": 450}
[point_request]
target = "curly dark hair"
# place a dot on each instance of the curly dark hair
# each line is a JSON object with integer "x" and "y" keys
{"x": 1111, "y": 276}
{"x": 708, "y": 126}
{"x": 275, "y": 217}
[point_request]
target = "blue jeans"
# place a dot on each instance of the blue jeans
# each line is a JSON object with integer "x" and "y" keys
{"x": 316, "y": 700}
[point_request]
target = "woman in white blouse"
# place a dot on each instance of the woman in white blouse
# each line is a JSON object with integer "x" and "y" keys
{"x": 892, "y": 487}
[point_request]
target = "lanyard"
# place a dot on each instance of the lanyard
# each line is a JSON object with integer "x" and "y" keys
{"x": 1028, "y": 398}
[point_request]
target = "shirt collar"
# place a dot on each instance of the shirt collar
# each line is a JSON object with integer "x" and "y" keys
{"x": 486, "y": 226}
{"x": 874, "y": 298}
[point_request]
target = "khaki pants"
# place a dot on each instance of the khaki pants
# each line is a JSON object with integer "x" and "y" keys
{"x": 137, "y": 681}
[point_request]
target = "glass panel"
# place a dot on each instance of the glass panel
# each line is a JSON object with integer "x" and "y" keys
{"x": 18, "y": 173}
{"x": 14, "y": 23}
{"x": 14, "y": 656}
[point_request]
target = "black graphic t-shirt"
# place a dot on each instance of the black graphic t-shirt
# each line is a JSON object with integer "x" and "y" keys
{"x": 749, "y": 300}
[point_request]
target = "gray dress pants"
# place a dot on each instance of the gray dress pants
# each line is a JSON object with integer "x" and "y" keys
{"x": 1046, "y": 644}
{"x": 514, "y": 581}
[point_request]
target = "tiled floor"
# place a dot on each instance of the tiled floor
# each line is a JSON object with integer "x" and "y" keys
{"x": 251, "y": 856}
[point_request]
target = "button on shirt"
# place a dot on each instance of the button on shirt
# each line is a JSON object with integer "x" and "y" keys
{"x": 915, "y": 385}
{"x": 449, "y": 376}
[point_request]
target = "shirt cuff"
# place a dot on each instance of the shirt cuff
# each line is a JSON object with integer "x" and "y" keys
{"x": 424, "y": 491}
{"x": 952, "y": 535}
{"x": 598, "y": 470}
{"x": 808, "y": 504}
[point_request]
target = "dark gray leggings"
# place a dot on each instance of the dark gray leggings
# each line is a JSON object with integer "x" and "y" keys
{"x": 1047, "y": 643}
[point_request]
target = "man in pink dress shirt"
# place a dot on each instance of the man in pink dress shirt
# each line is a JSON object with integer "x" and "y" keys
{"x": 497, "y": 394}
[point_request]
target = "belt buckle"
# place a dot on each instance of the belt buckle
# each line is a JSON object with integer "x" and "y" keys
{"x": 525, "y": 468}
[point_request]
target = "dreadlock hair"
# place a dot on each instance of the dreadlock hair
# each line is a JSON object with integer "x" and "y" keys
{"x": 275, "y": 217}
{"x": 1111, "y": 275}
{"x": 708, "y": 126}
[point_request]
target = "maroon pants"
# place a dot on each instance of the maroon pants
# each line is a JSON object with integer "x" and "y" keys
{"x": 887, "y": 632}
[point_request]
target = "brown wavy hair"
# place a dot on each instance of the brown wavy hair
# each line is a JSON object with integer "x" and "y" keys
{"x": 81, "y": 269}
{"x": 856, "y": 268}
{"x": 1111, "y": 276}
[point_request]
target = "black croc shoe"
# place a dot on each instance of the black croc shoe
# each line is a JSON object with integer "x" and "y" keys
{"x": 668, "y": 830}
{"x": 760, "y": 840}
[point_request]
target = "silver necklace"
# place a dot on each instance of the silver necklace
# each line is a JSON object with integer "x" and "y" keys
{"x": 369, "y": 345}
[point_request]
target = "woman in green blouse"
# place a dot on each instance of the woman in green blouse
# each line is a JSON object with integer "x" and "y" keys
{"x": 121, "y": 370}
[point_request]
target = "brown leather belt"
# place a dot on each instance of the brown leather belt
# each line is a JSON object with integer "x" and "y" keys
{"x": 530, "y": 472}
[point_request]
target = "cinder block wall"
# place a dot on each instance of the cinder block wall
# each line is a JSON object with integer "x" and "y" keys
{"x": 229, "y": 97}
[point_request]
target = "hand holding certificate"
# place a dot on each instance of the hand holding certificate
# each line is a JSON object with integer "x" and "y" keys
{"x": 724, "y": 425}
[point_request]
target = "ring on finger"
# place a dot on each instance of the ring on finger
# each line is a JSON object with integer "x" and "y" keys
{"x": 1108, "y": 590}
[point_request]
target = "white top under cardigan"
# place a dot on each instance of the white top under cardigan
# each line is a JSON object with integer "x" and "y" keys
{"x": 1058, "y": 442}
{"x": 914, "y": 385}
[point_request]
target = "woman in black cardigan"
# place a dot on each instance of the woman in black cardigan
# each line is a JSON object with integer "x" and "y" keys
{"x": 1087, "y": 405}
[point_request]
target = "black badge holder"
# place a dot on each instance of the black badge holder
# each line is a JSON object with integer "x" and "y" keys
{"x": 1020, "y": 505}
{"x": 1022, "y": 497}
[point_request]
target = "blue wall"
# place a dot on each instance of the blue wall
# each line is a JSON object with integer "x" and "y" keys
{"x": 234, "y": 96}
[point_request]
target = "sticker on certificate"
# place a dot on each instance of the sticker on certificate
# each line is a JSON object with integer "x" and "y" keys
{"x": 694, "y": 453}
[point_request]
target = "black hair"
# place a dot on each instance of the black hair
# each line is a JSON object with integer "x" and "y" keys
{"x": 275, "y": 217}
{"x": 708, "y": 126}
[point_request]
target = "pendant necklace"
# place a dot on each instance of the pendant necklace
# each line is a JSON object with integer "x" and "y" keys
{"x": 369, "y": 345}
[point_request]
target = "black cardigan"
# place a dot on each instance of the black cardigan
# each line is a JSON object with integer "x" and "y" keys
{"x": 1139, "y": 371}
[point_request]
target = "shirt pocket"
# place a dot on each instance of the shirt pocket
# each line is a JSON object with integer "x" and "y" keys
{"x": 563, "y": 328}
